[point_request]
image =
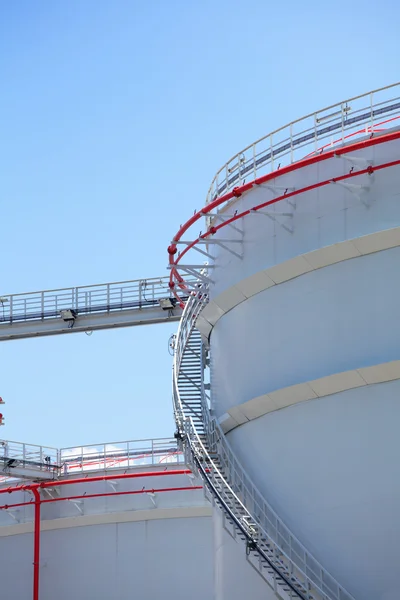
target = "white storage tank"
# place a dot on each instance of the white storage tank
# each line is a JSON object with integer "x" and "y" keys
{"x": 304, "y": 336}
{"x": 116, "y": 536}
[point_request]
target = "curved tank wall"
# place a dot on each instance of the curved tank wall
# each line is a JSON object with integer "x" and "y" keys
{"x": 147, "y": 545}
{"x": 277, "y": 319}
{"x": 234, "y": 575}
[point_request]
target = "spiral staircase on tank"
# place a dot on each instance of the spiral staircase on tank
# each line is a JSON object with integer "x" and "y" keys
{"x": 269, "y": 546}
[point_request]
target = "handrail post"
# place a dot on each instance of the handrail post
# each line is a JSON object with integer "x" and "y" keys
{"x": 342, "y": 120}
{"x": 271, "y": 146}
{"x": 316, "y": 132}
{"x": 291, "y": 143}
{"x": 372, "y": 111}
{"x": 140, "y": 293}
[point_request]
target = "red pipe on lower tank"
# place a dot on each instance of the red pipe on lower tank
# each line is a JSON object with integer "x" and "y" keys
{"x": 58, "y": 482}
{"x": 34, "y": 488}
{"x": 36, "y": 541}
{"x": 106, "y": 494}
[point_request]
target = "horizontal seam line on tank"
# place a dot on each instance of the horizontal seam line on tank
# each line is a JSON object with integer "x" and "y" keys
{"x": 361, "y": 373}
{"x": 370, "y": 237}
{"x": 131, "y": 516}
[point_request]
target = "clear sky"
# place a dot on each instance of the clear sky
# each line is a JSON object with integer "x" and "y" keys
{"x": 114, "y": 117}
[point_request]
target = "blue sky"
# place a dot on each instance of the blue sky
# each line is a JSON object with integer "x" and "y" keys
{"x": 114, "y": 117}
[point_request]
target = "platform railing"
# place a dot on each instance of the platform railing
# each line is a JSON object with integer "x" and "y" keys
{"x": 30, "y": 456}
{"x": 125, "y": 455}
{"x": 364, "y": 115}
{"x": 120, "y": 455}
{"x": 83, "y": 300}
{"x": 234, "y": 490}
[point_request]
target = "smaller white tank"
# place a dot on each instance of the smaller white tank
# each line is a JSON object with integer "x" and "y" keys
{"x": 143, "y": 536}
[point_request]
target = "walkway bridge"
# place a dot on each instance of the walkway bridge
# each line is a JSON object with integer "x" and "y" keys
{"x": 87, "y": 308}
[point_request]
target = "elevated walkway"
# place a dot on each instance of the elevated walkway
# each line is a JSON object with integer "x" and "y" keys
{"x": 29, "y": 462}
{"x": 87, "y": 308}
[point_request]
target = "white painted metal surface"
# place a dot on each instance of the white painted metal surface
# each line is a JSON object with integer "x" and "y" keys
{"x": 279, "y": 558}
{"x": 322, "y": 217}
{"x": 334, "y": 481}
{"x": 294, "y": 267}
{"x": 146, "y": 545}
{"x": 235, "y": 576}
{"x": 310, "y": 390}
{"x": 314, "y": 461}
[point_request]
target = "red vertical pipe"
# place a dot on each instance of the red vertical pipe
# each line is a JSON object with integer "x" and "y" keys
{"x": 36, "y": 541}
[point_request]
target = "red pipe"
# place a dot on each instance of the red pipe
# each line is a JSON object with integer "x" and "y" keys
{"x": 35, "y": 487}
{"x": 126, "y": 493}
{"x": 36, "y": 542}
{"x": 56, "y": 482}
{"x": 172, "y": 249}
{"x": 47, "y": 484}
{"x": 100, "y": 495}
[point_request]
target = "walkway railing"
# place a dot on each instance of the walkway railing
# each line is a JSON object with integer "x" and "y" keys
{"x": 30, "y": 456}
{"x": 337, "y": 124}
{"x": 100, "y": 457}
{"x": 120, "y": 455}
{"x": 290, "y": 567}
{"x": 107, "y": 297}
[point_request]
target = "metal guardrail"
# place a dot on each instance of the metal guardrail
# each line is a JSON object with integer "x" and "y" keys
{"x": 237, "y": 494}
{"x": 337, "y": 124}
{"x": 100, "y": 457}
{"x": 84, "y": 300}
{"x": 41, "y": 458}
{"x": 120, "y": 455}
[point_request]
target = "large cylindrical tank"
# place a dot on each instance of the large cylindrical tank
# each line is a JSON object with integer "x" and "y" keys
{"x": 305, "y": 350}
{"x": 148, "y": 544}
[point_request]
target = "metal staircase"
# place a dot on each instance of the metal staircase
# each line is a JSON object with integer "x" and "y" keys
{"x": 190, "y": 381}
{"x": 270, "y": 547}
